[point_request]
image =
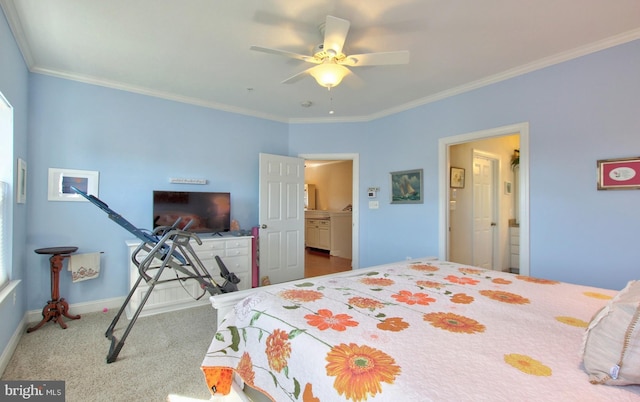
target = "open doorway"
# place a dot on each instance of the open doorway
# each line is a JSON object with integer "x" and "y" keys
{"x": 512, "y": 186}
{"x": 480, "y": 209}
{"x": 331, "y": 230}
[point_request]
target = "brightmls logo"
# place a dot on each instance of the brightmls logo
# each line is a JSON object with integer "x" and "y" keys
{"x": 37, "y": 391}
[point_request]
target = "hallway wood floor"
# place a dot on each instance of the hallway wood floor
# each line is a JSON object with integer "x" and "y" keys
{"x": 317, "y": 262}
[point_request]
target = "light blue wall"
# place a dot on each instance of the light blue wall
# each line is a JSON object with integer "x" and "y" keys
{"x": 14, "y": 86}
{"x": 136, "y": 143}
{"x": 579, "y": 111}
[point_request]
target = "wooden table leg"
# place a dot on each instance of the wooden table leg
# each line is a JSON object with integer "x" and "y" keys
{"x": 57, "y": 307}
{"x": 49, "y": 312}
{"x": 63, "y": 306}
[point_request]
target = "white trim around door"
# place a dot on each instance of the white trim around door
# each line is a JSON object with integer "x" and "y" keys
{"x": 523, "y": 191}
{"x": 355, "y": 216}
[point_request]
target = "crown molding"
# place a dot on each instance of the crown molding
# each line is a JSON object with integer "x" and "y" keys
{"x": 10, "y": 12}
{"x": 13, "y": 19}
{"x": 616, "y": 40}
{"x": 155, "y": 93}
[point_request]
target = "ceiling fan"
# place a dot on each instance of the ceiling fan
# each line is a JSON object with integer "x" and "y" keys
{"x": 331, "y": 62}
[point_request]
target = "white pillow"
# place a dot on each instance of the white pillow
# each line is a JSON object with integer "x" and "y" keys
{"x": 611, "y": 347}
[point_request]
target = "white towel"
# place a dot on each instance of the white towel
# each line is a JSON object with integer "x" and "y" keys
{"x": 84, "y": 266}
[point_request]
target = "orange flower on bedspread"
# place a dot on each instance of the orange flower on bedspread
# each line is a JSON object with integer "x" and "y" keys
{"x": 597, "y": 295}
{"x": 365, "y": 302}
{"x": 395, "y": 324}
{"x": 430, "y": 284}
{"x": 527, "y": 365}
{"x": 278, "y": 349}
{"x": 461, "y": 280}
{"x": 301, "y": 295}
{"x": 404, "y": 296}
{"x": 454, "y": 322}
{"x": 325, "y": 319}
{"x": 424, "y": 267}
{"x": 537, "y": 280}
{"x": 462, "y": 298}
{"x": 245, "y": 369}
{"x": 576, "y": 322}
{"x": 377, "y": 281}
{"x": 501, "y": 281}
{"x": 471, "y": 271}
{"x": 359, "y": 370}
{"x": 504, "y": 297}
{"x": 307, "y": 395}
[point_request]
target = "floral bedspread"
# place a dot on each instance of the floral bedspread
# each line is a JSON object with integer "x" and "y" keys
{"x": 412, "y": 331}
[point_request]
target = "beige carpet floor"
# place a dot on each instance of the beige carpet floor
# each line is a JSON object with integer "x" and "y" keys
{"x": 161, "y": 357}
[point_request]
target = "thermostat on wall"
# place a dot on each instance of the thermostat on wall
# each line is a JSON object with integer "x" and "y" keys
{"x": 372, "y": 192}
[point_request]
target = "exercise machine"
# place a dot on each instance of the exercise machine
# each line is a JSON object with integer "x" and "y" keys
{"x": 164, "y": 247}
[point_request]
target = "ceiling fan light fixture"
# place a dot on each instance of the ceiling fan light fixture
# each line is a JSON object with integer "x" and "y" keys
{"x": 329, "y": 74}
{"x": 331, "y": 62}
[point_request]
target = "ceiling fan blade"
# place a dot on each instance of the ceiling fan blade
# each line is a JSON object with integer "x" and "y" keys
{"x": 297, "y": 77}
{"x": 376, "y": 59}
{"x": 335, "y": 33}
{"x": 278, "y": 52}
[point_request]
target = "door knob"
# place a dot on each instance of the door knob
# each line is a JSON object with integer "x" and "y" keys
{"x": 263, "y": 226}
{"x": 493, "y": 223}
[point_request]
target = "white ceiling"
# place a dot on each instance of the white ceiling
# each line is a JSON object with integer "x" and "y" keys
{"x": 197, "y": 51}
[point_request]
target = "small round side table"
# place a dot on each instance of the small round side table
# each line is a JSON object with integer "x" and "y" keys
{"x": 57, "y": 307}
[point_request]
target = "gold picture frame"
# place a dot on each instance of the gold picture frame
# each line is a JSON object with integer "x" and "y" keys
{"x": 456, "y": 177}
{"x": 619, "y": 174}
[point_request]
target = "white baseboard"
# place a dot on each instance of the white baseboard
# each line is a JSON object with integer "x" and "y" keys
{"x": 165, "y": 307}
{"x": 81, "y": 308}
{"x": 7, "y": 353}
{"x": 35, "y": 316}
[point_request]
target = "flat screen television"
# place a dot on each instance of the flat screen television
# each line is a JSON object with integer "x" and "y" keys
{"x": 209, "y": 211}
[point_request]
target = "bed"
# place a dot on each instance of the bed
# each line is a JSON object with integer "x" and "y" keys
{"x": 419, "y": 330}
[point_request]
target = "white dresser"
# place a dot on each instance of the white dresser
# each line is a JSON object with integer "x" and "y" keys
{"x": 235, "y": 252}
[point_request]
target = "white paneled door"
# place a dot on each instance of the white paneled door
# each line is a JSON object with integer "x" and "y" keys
{"x": 484, "y": 211}
{"x": 281, "y": 217}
